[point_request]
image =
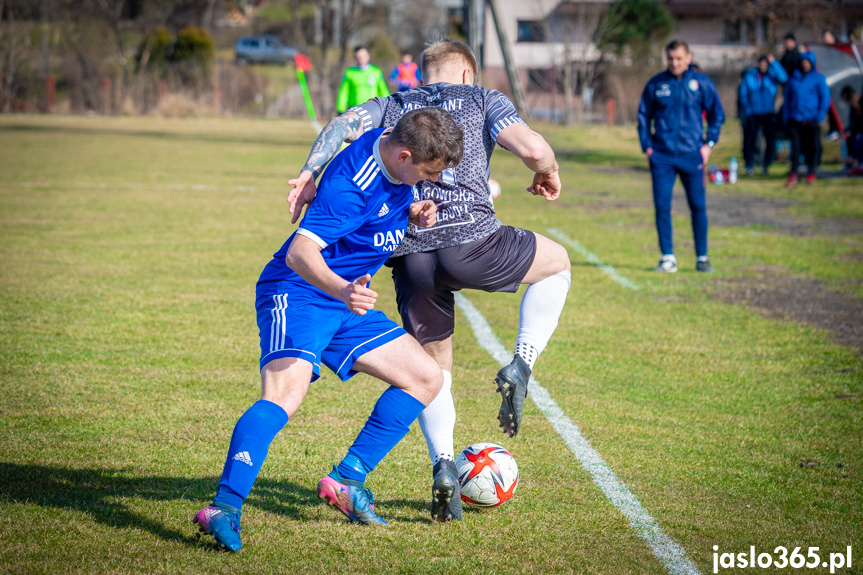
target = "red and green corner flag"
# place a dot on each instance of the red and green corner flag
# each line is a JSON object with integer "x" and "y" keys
{"x": 303, "y": 64}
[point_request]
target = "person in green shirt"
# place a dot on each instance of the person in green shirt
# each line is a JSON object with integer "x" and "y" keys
{"x": 361, "y": 82}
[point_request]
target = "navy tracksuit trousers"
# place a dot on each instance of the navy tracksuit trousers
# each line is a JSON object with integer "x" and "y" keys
{"x": 664, "y": 169}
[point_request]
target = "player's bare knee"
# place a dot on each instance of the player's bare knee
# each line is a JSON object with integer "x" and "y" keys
{"x": 561, "y": 259}
{"x": 285, "y": 382}
{"x": 428, "y": 382}
{"x": 551, "y": 259}
{"x": 554, "y": 256}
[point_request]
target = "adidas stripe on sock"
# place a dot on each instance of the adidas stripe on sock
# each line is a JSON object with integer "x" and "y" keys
{"x": 250, "y": 442}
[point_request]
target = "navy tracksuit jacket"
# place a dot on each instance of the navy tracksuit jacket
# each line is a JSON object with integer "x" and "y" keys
{"x": 671, "y": 122}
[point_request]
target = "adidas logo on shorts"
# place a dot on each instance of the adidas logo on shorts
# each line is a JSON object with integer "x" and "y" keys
{"x": 244, "y": 457}
{"x": 384, "y": 211}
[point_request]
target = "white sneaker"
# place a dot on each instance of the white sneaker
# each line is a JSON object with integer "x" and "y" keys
{"x": 668, "y": 264}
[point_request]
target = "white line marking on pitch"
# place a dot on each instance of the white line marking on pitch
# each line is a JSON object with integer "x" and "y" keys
{"x": 591, "y": 258}
{"x": 664, "y": 547}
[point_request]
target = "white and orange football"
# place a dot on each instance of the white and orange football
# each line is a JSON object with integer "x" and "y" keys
{"x": 488, "y": 474}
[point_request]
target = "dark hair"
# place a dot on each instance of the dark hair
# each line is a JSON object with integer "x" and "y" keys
{"x": 762, "y": 58}
{"x": 675, "y": 44}
{"x": 846, "y": 92}
{"x": 430, "y": 134}
{"x": 360, "y": 47}
{"x": 790, "y": 36}
{"x": 442, "y": 50}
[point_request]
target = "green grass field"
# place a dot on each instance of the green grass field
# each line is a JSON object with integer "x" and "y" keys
{"x": 130, "y": 248}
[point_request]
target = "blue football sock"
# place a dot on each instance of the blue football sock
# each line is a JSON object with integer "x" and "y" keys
{"x": 389, "y": 422}
{"x": 352, "y": 468}
{"x": 250, "y": 442}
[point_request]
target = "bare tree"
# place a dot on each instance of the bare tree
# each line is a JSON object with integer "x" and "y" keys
{"x": 415, "y": 23}
{"x": 14, "y": 44}
{"x": 111, "y": 13}
{"x": 574, "y": 25}
{"x": 813, "y": 14}
{"x": 587, "y": 18}
{"x": 75, "y": 36}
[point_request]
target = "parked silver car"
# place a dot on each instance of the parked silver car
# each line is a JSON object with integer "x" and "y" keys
{"x": 263, "y": 49}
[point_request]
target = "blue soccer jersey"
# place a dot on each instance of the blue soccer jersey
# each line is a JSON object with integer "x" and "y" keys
{"x": 358, "y": 217}
{"x": 465, "y": 209}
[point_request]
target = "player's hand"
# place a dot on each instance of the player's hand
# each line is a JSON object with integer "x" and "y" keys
{"x": 546, "y": 185}
{"x": 423, "y": 213}
{"x": 648, "y": 152}
{"x": 705, "y": 154}
{"x": 357, "y": 297}
{"x": 302, "y": 194}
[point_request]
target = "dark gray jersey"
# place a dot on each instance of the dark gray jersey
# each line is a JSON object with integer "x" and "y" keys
{"x": 465, "y": 209}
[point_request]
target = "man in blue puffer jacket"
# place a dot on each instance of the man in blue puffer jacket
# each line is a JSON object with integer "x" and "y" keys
{"x": 674, "y": 102}
{"x": 758, "y": 100}
{"x": 807, "y": 99}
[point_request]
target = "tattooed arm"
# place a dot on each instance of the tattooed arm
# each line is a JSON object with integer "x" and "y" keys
{"x": 345, "y": 128}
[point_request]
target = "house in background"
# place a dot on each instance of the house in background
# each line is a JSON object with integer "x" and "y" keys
{"x": 549, "y": 37}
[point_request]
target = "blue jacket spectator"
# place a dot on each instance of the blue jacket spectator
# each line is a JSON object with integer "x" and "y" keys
{"x": 807, "y": 97}
{"x": 741, "y": 111}
{"x": 758, "y": 89}
{"x": 675, "y": 107}
{"x": 757, "y": 109}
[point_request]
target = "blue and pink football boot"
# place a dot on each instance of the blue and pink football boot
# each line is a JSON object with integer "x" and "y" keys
{"x": 352, "y": 498}
{"x": 223, "y": 523}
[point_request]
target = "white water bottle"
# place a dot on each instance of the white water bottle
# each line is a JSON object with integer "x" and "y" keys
{"x": 732, "y": 171}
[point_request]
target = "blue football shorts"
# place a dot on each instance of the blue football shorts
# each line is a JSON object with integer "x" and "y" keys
{"x": 297, "y": 321}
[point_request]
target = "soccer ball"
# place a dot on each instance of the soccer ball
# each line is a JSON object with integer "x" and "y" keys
{"x": 487, "y": 473}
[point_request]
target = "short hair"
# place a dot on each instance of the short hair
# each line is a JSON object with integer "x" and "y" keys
{"x": 846, "y": 93}
{"x": 430, "y": 134}
{"x": 763, "y": 58}
{"x": 358, "y": 48}
{"x": 675, "y": 44}
{"x": 444, "y": 50}
{"x": 790, "y": 36}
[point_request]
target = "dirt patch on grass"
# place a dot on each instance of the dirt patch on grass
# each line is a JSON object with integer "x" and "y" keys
{"x": 735, "y": 210}
{"x": 744, "y": 211}
{"x": 775, "y": 293}
{"x": 793, "y": 298}
{"x": 617, "y": 170}
{"x": 749, "y": 211}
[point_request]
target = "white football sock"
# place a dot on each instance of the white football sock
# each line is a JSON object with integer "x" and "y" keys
{"x": 437, "y": 422}
{"x": 526, "y": 352}
{"x": 540, "y": 310}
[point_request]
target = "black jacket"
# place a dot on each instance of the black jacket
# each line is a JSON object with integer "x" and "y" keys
{"x": 790, "y": 59}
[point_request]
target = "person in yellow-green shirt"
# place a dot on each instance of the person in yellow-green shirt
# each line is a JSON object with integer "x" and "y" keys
{"x": 361, "y": 82}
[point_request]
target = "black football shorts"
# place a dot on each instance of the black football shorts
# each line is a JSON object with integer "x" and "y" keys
{"x": 425, "y": 281}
